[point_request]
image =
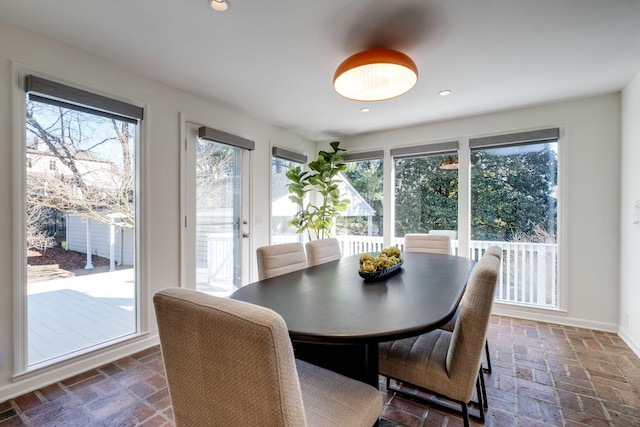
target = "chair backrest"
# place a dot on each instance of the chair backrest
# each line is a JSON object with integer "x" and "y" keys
{"x": 469, "y": 334}
{"x": 496, "y": 251}
{"x": 323, "y": 250}
{"x": 275, "y": 260}
{"x": 227, "y": 362}
{"x": 433, "y": 243}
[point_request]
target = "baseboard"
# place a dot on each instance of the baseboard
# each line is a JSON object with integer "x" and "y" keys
{"x": 635, "y": 347}
{"x": 551, "y": 316}
{"x": 30, "y": 381}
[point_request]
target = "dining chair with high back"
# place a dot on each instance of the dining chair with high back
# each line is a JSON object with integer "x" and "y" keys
{"x": 448, "y": 364}
{"x": 495, "y": 251}
{"x": 432, "y": 243}
{"x": 275, "y": 260}
{"x": 323, "y": 250}
{"x": 231, "y": 363}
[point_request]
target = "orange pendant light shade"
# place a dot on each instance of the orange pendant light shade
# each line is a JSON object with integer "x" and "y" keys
{"x": 375, "y": 75}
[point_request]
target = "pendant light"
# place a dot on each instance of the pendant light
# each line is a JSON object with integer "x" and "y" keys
{"x": 375, "y": 75}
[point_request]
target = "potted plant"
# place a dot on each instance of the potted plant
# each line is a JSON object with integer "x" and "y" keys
{"x": 322, "y": 180}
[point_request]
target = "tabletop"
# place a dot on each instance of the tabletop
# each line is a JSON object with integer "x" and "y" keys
{"x": 331, "y": 303}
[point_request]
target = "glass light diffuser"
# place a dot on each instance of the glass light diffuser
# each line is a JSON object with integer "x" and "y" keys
{"x": 219, "y": 5}
{"x": 375, "y": 75}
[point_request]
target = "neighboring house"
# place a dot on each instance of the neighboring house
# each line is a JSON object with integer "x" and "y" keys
{"x": 283, "y": 209}
{"x": 103, "y": 239}
{"x": 43, "y": 164}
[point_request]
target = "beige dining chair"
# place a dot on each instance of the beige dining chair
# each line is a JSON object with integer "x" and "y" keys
{"x": 432, "y": 243}
{"x": 448, "y": 364}
{"x": 275, "y": 260}
{"x": 323, "y": 250}
{"x": 495, "y": 251}
{"x": 231, "y": 363}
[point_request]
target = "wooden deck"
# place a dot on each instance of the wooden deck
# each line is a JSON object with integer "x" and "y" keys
{"x": 75, "y": 313}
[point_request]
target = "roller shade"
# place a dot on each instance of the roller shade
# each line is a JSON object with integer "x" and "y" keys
{"x": 285, "y": 154}
{"x": 225, "y": 138}
{"x": 58, "y": 94}
{"x": 450, "y": 147}
{"x": 520, "y": 138}
{"x": 366, "y": 155}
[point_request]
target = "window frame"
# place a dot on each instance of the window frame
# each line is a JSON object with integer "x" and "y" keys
{"x": 291, "y": 156}
{"x": 20, "y": 75}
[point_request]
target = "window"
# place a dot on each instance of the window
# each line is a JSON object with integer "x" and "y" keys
{"x": 426, "y": 190}
{"x": 360, "y": 227}
{"x": 514, "y": 203}
{"x": 81, "y": 281}
{"x": 282, "y": 208}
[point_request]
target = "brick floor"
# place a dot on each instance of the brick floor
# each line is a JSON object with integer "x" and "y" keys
{"x": 543, "y": 375}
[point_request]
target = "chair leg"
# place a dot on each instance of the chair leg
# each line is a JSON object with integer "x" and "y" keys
{"x": 480, "y": 398}
{"x": 465, "y": 414}
{"x": 485, "y": 401}
{"x": 447, "y": 403}
{"x": 486, "y": 350}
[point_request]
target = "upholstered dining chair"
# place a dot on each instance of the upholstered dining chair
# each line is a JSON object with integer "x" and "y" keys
{"x": 231, "y": 363}
{"x": 433, "y": 243}
{"x": 323, "y": 250}
{"x": 495, "y": 251}
{"x": 448, "y": 364}
{"x": 283, "y": 258}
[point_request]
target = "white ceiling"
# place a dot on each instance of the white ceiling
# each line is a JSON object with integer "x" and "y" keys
{"x": 275, "y": 59}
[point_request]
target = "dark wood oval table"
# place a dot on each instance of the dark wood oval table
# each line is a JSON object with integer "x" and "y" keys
{"x": 336, "y": 319}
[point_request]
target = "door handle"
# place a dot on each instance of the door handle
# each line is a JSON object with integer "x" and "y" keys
{"x": 245, "y": 235}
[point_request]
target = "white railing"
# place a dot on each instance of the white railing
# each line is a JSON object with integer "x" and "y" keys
{"x": 351, "y": 245}
{"x": 528, "y": 272}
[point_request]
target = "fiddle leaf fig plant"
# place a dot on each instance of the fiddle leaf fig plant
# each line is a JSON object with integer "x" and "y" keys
{"x": 322, "y": 178}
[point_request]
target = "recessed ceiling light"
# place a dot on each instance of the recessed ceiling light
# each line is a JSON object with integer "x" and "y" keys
{"x": 365, "y": 110}
{"x": 445, "y": 92}
{"x": 219, "y": 5}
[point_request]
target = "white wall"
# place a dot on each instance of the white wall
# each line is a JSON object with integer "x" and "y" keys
{"x": 589, "y": 183}
{"x": 160, "y": 222}
{"x": 630, "y": 232}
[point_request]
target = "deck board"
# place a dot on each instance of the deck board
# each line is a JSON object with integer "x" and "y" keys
{"x": 74, "y": 313}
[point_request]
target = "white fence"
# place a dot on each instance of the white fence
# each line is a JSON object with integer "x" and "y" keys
{"x": 528, "y": 272}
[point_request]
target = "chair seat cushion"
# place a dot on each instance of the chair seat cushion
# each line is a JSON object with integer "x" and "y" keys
{"x": 331, "y": 399}
{"x": 420, "y": 360}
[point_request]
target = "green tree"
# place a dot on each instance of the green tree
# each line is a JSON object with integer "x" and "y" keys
{"x": 513, "y": 193}
{"x": 426, "y": 196}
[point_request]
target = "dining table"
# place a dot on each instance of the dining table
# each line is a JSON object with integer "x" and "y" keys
{"x": 336, "y": 318}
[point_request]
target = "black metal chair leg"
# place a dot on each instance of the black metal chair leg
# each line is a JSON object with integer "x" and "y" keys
{"x": 485, "y": 401}
{"x": 486, "y": 350}
{"x": 465, "y": 414}
{"x": 480, "y": 398}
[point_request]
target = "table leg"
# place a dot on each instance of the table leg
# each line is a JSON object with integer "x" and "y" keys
{"x": 357, "y": 361}
{"x": 371, "y": 363}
